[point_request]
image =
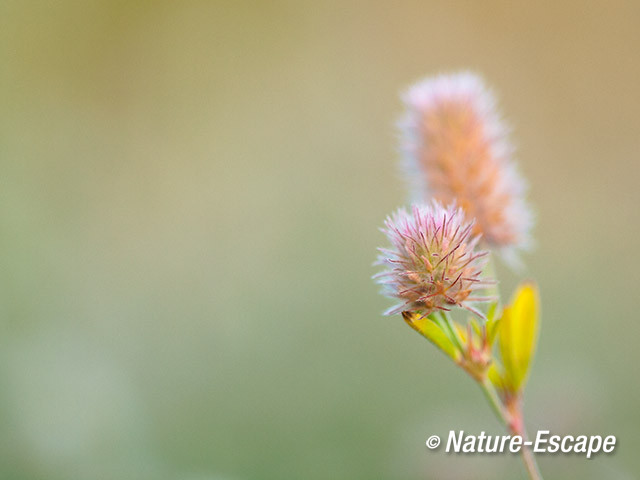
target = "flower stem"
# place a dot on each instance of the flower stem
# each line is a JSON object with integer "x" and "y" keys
{"x": 453, "y": 333}
{"x": 494, "y": 401}
{"x": 530, "y": 462}
{"x": 505, "y": 417}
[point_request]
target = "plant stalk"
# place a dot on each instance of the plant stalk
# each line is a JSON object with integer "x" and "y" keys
{"x": 516, "y": 428}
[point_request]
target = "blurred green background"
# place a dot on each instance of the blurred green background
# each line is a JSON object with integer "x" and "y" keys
{"x": 189, "y": 203}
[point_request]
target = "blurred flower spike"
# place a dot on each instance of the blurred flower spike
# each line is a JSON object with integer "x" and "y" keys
{"x": 455, "y": 149}
{"x": 433, "y": 263}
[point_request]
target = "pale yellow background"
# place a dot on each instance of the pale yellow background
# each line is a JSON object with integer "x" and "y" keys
{"x": 190, "y": 196}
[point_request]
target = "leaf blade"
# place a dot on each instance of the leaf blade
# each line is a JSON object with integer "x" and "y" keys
{"x": 518, "y": 334}
{"x": 432, "y": 332}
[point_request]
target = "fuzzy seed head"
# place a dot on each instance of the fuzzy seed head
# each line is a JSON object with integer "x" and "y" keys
{"x": 455, "y": 149}
{"x": 433, "y": 263}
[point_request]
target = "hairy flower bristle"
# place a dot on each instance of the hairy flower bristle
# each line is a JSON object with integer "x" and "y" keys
{"x": 433, "y": 263}
{"x": 456, "y": 150}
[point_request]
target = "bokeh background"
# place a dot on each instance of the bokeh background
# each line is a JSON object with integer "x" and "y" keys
{"x": 190, "y": 198}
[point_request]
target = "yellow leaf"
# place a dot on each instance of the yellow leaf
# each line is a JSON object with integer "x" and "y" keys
{"x": 518, "y": 334}
{"x": 432, "y": 331}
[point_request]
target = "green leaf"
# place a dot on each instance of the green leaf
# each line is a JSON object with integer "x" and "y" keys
{"x": 518, "y": 334}
{"x": 495, "y": 376}
{"x": 432, "y": 331}
{"x": 493, "y": 322}
{"x": 491, "y": 311}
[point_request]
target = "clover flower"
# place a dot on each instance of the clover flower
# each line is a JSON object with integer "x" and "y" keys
{"x": 455, "y": 149}
{"x": 433, "y": 262}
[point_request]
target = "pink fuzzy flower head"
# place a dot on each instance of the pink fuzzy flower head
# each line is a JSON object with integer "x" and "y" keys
{"x": 432, "y": 263}
{"x": 456, "y": 150}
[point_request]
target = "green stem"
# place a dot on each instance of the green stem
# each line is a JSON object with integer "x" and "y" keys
{"x": 527, "y": 455}
{"x": 453, "y": 332}
{"x": 494, "y": 401}
{"x": 530, "y": 462}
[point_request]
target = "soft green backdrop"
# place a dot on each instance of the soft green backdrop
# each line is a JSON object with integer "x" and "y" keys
{"x": 190, "y": 196}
